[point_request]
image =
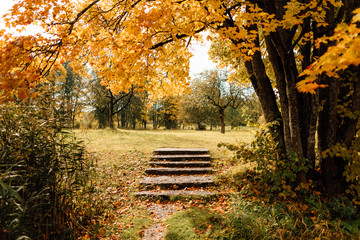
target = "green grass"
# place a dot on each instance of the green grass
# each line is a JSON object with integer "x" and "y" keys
{"x": 121, "y": 141}
{"x": 238, "y": 212}
{"x": 122, "y": 156}
{"x": 253, "y": 220}
{"x": 195, "y": 223}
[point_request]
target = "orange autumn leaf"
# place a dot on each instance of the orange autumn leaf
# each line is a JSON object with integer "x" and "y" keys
{"x": 143, "y": 43}
{"x": 309, "y": 87}
{"x": 344, "y": 53}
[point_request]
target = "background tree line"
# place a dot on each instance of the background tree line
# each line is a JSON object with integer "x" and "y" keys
{"x": 213, "y": 101}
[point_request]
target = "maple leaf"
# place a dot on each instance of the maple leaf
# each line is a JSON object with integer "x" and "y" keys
{"x": 309, "y": 87}
{"x": 345, "y": 53}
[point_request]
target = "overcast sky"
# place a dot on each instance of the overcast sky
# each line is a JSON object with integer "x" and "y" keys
{"x": 4, "y": 6}
{"x": 198, "y": 63}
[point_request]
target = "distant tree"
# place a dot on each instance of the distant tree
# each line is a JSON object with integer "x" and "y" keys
{"x": 154, "y": 114}
{"x": 135, "y": 109}
{"x": 251, "y": 110}
{"x": 169, "y": 112}
{"x": 105, "y": 101}
{"x": 146, "y": 108}
{"x": 219, "y": 92}
{"x": 195, "y": 108}
{"x": 163, "y": 112}
{"x": 64, "y": 90}
{"x": 235, "y": 118}
{"x": 71, "y": 93}
{"x": 247, "y": 113}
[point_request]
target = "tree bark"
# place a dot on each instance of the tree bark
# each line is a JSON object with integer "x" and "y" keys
{"x": 347, "y": 130}
{"x": 327, "y": 132}
{"x": 300, "y": 118}
{"x": 262, "y": 86}
{"x": 123, "y": 119}
{"x": 222, "y": 119}
{"x": 111, "y": 111}
{"x": 281, "y": 86}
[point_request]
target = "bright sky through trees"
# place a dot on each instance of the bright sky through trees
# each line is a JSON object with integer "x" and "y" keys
{"x": 5, "y": 5}
{"x": 200, "y": 61}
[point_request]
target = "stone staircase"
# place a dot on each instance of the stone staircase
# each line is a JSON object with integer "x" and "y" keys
{"x": 178, "y": 171}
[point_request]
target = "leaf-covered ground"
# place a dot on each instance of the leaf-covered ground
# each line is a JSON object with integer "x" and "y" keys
{"x": 121, "y": 157}
{"x": 116, "y": 213}
{"x": 242, "y": 210}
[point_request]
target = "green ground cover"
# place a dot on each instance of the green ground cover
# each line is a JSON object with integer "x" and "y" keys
{"x": 242, "y": 210}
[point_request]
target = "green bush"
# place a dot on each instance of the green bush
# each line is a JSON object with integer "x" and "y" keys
{"x": 276, "y": 172}
{"x": 41, "y": 167}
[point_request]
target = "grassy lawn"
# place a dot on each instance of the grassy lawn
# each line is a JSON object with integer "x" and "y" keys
{"x": 240, "y": 211}
{"x": 121, "y": 158}
{"x": 121, "y": 141}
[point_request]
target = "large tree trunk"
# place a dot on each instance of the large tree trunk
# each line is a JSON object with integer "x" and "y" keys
{"x": 309, "y": 109}
{"x": 262, "y": 86}
{"x": 222, "y": 119}
{"x": 110, "y": 118}
{"x": 331, "y": 167}
{"x": 283, "y": 46}
{"x": 123, "y": 119}
{"x": 111, "y": 111}
{"x": 281, "y": 86}
{"x": 299, "y": 111}
{"x": 300, "y": 120}
{"x": 336, "y": 129}
{"x": 347, "y": 130}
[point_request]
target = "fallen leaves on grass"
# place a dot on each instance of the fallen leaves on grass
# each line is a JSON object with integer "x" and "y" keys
{"x": 110, "y": 196}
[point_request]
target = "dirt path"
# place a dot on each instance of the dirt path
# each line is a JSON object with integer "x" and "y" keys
{"x": 177, "y": 169}
{"x": 160, "y": 212}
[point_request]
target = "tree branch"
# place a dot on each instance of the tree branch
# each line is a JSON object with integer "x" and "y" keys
{"x": 177, "y": 36}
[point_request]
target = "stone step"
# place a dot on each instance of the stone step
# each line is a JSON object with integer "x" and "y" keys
{"x": 181, "y": 164}
{"x": 179, "y": 181}
{"x": 171, "y": 193}
{"x": 183, "y": 151}
{"x": 181, "y": 157}
{"x": 177, "y": 171}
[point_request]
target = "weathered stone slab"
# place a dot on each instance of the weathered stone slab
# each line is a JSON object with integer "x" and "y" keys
{"x": 175, "y": 164}
{"x": 177, "y": 171}
{"x": 171, "y": 193}
{"x": 180, "y": 181}
{"x": 181, "y": 157}
{"x": 193, "y": 164}
{"x": 177, "y": 151}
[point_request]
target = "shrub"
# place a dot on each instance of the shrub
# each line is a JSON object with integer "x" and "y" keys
{"x": 41, "y": 167}
{"x": 277, "y": 173}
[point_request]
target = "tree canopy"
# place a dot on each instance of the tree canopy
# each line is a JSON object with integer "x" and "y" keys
{"x": 213, "y": 86}
{"x": 146, "y": 42}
